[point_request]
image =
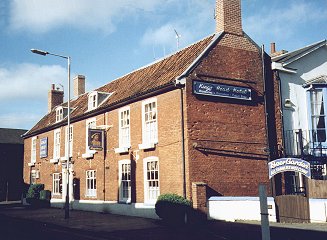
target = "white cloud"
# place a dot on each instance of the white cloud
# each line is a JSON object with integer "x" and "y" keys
{"x": 20, "y": 120}
{"x": 44, "y": 15}
{"x": 285, "y": 21}
{"x": 29, "y": 81}
{"x": 196, "y": 21}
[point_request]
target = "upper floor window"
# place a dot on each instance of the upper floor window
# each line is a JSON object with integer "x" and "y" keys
{"x": 149, "y": 123}
{"x": 69, "y": 142}
{"x": 124, "y": 130}
{"x": 95, "y": 99}
{"x": 317, "y": 114}
{"x": 59, "y": 114}
{"x": 56, "y": 144}
{"x": 33, "y": 150}
{"x": 90, "y": 124}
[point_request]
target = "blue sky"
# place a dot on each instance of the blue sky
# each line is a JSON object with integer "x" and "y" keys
{"x": 107, "y": 39}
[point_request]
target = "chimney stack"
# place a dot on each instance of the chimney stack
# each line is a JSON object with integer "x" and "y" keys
{"x": 228, "y": 17}
{"x": 79, "y": 85}
{"x": 55, "y": 97}
{"x": 272, "y": 48}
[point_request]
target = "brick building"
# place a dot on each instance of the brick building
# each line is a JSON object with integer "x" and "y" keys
{"x": 193, "y": 123}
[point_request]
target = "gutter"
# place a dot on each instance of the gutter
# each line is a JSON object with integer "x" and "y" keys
{"x": 281, "y": 67}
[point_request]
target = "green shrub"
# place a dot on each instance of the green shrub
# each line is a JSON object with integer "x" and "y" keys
{"x": 33, "y": 193}
{"x": 172, "y": 208}
{"x": 45, "y": 195}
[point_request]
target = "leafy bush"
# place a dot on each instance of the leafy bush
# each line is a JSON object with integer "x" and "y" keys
{"x": 172, "y": 208}
{"x": 33, "y": 194}
{"x": 45, "y": 195}
{"x": 34, "y": 191}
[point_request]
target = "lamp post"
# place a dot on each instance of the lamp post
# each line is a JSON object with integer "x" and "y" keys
{"x": 44, "y": 53}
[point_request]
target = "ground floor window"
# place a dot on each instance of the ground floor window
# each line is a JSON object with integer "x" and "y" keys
{"x": 151, "y": 179}
{"x": 33, "y": 176}
{"x": 56, "y": 184}
{"x": 91, "y": 186}
{"x": 125, "y": 181}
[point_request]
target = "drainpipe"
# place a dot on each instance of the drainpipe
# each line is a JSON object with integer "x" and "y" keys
{"x": 180, "y": 83}
{"x": 266, "y": 112}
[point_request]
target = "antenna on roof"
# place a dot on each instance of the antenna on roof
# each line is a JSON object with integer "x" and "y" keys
{"x": 177, "y": 37}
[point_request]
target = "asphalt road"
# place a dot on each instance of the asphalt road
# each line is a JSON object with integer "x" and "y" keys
{"x": 20, "y": 223}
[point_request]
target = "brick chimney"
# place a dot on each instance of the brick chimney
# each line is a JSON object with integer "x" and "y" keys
{"x": 55, "y": 97}
{"x": 79, "y": 85}
{"x": 228, "y": 17}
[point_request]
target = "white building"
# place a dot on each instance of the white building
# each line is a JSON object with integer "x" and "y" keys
{"x": 302, "y": 77}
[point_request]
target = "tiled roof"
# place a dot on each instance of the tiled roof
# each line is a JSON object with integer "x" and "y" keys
{"x": 11, "y": 136}
{"x": 149, "y": 78}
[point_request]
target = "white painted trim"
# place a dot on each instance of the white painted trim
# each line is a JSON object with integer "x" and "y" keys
{"x": 146, "y": 190}
{"x": 121, "y": 150}
{"x": 58, "y": 130}
{"x": 120, "y": 163}
{"x": 145, "y": 142}
{"x": 33, "y": 150}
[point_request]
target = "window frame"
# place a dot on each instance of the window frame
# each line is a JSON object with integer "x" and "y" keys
{"x": 56, "y": 184}
{"x": 71, "y": 141}
{"x": 92, "y": 100}
{"x": 89, "y": 123}
{"x": 59, "y": 114}
{"x": 311, "y": 115}
{"x": 149, "y": 141}
{"x": 33, "y": 150}
{"x": 122, "y": 198}
{"x": 56, "y": 144}
{"x": 90, "y": 184}
{"x": 147, "y": 198}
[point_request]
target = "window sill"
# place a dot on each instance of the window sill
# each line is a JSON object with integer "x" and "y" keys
{"x": 89, "y": 154}
{"x": 121, "y": 150}
{"x": 31, "y": 164}
{"x": 146, "y": 146}
{"x": 54, "y": 160}
{"x": 122, "y": 201}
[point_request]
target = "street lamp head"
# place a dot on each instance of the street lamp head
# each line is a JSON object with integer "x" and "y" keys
{"x": 40, "y": 52}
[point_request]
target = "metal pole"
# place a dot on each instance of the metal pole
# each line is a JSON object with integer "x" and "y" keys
{"x": 68, "y": 147}
{"x": 7, "y": 191}
{"x": 265, "y": 230}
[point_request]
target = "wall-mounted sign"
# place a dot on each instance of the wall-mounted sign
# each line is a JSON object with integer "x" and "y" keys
{"x": 96, "y": 139}
{"x": 289, "y": 164}
{"x": 44, "y": 147}
{"x": 220, "y": 90}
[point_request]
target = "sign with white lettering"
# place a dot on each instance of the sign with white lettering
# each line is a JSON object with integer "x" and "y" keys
{"x": 289, "y": 164}
{"x": 44, "y": 147}
{"x": 220, "y": 90}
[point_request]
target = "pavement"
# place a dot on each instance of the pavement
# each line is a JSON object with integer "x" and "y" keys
{"x": 23, "y": 221}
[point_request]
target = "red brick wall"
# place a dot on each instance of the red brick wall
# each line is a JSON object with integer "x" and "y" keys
{"x": 229, "y": 135}
{"x": 105, "y": 163}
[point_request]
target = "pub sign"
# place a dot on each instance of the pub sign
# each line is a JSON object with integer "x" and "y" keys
{"x": 221, "y": 90}
{"x": 289, "y": 164}
{"x": 96, "y": 139}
